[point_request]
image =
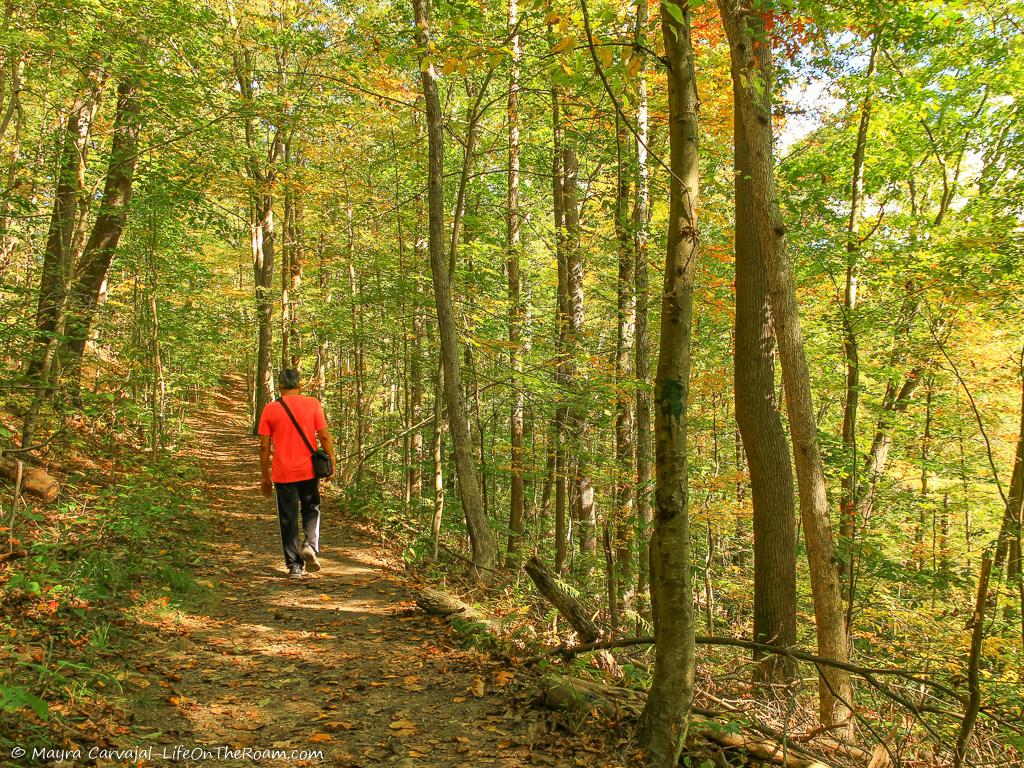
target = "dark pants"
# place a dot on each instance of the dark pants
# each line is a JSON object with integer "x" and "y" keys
{"x": 293, "y": 498}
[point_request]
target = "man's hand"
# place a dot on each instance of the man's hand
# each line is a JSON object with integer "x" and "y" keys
{"x": 267, "y": 487}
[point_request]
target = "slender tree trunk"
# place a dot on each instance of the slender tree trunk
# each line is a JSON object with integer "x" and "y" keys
{"x": 752, "y": 69}
{"x": 763, "y": 436}
{"x": 561, "y": 351}
{"x": 663, "y": 724}
{"x": 15, "y": 108}
{"x": 415, "y": 479}
{"x": 584, "y": 511}
{"x": 360, "y": 399}
{"x": 484, "y": 548}
{"x": 641, "y": 224}
{"x": 263, "y": 237}
{"x": 625, "y": 522}
{"x": 848, "y": 500}
{"x": 437, "y": 448}
{"x": 516, "y": 312}
{"x": 91, "y": 271}
{"x": 1008, "y": 544}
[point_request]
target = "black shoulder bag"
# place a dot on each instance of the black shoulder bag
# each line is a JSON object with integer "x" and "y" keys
{"x": 322, "y": 466}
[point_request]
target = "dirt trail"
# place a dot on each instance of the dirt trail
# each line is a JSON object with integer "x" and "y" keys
{"x": 336, "y": 662}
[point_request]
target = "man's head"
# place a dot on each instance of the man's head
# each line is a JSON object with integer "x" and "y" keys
{"x": 288, "y": 378}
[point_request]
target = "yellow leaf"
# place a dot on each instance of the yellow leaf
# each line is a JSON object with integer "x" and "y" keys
{"x": 565, "y": 44}
{"x": 450, "y": 66}
{"x": 604, "y": 53}
{"x": 403, "y": 725}
{"x": 321, "y": 737}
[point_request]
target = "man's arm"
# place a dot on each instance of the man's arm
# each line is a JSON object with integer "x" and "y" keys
{"x": 267, "y": 485}
{"x": 327, "y": 442}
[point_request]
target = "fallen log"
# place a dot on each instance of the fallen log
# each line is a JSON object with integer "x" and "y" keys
{"x": 584, "y": 697}
{"x": 567, "y": 605}
{"x": 438, "y": 603}
{"x": 34, "y": 480}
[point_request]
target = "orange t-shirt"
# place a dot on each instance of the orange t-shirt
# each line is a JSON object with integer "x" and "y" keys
{"x": 292, "y": 461}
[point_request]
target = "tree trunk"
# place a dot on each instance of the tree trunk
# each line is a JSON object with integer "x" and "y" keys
{"x": 848, "y": 501}
{"x": 584, "y": 512}
{"x": 515, "y": 308}
{"x": 663, "y": 724}
{"x": 91, "y": 271}
{"x": 763, "y": 436}
{"x": 753, "y": 70}
{"x": 561, "y": 351}
{"x": 484, "y": 548}
{"x": 57, "y": 253}
{"x": 263, "y": 237}
{"x": 641, "y": 224}
{"x": 625, "y": 522}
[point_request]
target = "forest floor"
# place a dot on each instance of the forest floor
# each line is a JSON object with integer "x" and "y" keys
{"x": 340, "y": 662}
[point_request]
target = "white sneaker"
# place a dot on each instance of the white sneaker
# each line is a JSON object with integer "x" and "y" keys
{"x": 309, "y": 556}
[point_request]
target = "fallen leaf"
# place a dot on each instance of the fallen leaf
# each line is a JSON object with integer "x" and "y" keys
{"x": 478, "y": 688}
{"x": 316, "y": 737}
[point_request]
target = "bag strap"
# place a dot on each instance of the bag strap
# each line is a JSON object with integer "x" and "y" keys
{"x": 297, "y": 427}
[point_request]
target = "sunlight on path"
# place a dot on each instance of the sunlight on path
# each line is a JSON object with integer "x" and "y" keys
{"x": 336, "y": 662}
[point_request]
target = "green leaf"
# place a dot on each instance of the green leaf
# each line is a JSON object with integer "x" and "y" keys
{"x": 675, "y": 12}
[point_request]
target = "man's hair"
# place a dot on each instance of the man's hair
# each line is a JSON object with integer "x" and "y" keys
{"x": 288, "y": 378}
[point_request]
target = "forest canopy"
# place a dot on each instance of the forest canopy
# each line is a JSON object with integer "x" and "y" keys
{"x": 715, "y": 303}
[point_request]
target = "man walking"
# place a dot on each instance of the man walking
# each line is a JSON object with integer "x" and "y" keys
{"x": 292, "y": 476}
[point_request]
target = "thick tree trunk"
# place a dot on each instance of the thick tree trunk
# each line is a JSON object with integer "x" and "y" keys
{"x": 91, "y": 271}
{"x": 752, "y": 68}
{"x": 663, "y": 724}
{"x": 515, "y": 308}
{"x": 484, "y": 548}
{"x": 57, "y": 258}
{"x": 763, "y": 436}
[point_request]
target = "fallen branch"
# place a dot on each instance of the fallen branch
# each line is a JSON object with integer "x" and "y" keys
{"x": 584, "y": 697}
{"x": 16, "y": 554}
{"x": 566, "y": 604}
{"x": 868, "y": 673}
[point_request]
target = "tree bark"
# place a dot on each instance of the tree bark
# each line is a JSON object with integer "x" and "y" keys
{"x": 848, "y": 501}
{"x": 57, "y": 253}
{"x": 751, "y": 67}
{"x": 764, "y": 439}
{"x": 91, "y": 271}
{"x": 561, "y": 351}
{"x": 663, "y": 724}
{"x": 481, "y": 538}
{"x": 584, "y": 512}
{"x": 515, "y": 309}
{"x": 625, "y": 523}
{"x": 641, "y": 225}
